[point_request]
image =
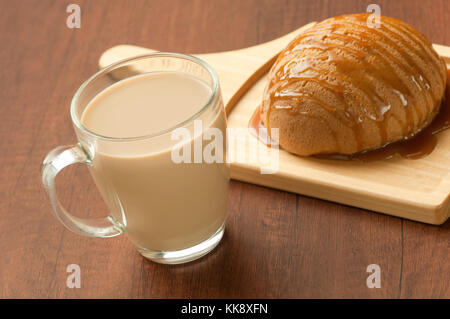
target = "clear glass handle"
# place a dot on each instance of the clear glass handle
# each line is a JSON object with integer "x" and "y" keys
{"x": 54, "y": 162}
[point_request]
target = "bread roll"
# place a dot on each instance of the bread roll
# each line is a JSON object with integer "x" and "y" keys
{"x": 342, "y": 87}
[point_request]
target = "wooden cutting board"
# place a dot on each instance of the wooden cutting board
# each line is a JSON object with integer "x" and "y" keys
{"x": 414, "y": 189}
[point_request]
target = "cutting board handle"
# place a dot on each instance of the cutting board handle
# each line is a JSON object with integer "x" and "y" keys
{"x": 263, "y": 51}
{"x": 238, "y": 70}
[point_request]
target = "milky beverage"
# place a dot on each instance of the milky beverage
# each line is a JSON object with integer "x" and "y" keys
{"x": 163, "y": 205}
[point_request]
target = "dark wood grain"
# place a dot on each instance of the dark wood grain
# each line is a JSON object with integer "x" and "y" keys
{"x": 277, "y": 244}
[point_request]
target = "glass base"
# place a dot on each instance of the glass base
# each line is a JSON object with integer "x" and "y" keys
{"x": 184, "y": 255}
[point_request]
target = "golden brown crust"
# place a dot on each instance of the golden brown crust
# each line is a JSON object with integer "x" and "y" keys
{"x": 342, "y": 87}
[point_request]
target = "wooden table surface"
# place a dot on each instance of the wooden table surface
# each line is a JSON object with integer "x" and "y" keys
{"x": 277, "y": 244}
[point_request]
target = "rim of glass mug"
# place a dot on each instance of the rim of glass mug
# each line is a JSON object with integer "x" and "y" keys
{"x": 206, "y": 66}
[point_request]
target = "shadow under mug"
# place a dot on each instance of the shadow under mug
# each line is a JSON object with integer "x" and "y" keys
{"x": 173, "y": 213}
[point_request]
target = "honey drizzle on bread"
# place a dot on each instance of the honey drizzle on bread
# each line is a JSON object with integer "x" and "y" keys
{"x": 371, "y": 76}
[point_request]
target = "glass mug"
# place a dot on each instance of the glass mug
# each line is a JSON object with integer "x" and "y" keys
{"x": 172, "y": 212}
